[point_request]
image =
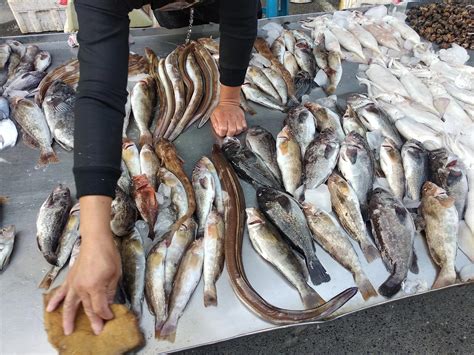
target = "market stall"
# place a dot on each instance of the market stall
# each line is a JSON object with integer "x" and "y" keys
{"x": 27, "y": 187}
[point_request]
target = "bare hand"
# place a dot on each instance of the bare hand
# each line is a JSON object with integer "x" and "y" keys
{"x": 93, "y": 278}
{"x": 228, "y": 118}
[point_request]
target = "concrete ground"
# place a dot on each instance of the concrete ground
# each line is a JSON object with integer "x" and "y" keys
{"x": 440, "y": 322}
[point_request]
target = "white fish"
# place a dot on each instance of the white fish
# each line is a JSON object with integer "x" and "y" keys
{"x": 8, "y": 134}
{"x": 411, "y": 129}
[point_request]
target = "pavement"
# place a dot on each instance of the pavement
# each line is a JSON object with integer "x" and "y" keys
{"x": 439, "y": 322}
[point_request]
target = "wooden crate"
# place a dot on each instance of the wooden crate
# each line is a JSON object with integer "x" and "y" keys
{"x": 38, "y": 15}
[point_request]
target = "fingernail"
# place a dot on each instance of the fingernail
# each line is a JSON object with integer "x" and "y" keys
{"x": 67, "y": 331}
{"x": 49, "y": 308}
{"x": 96, "y": 329}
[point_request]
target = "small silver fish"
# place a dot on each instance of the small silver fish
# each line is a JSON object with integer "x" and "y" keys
{"x": 289, "y": 160}
{"x": 392, "y": 167}
{"x": 415, "y": 166}
{"x": 203, "y": 184}
{"x": 149, "y": 164}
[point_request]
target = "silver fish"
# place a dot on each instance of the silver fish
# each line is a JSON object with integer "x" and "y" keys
{"x": 262, "y": 143}
{"x": 415, "y": 166}
{"x": 350, "y": 122}
{"x": 334, "y": 72}
{"x": 177, "y": 83}
{"x": 35, "y": 128}
{"x": 52, "y": 218}
{"x": 305, "y": 58}
{"x": 392, "y": 166}
{"x": 303, "y": 126}
{"x": 131, "y": 157}
{"x": 155, "y": 284}
{"x": 219, "y": 194}
{"x": 58, "y": 107}
{"x": 289, "y": 159}
{"x": 394, "y": 230}
{"x": 320, "y": 159}
{"x": 326, "y": 118}
{"x": 203, "y": 184}
{"x": 186, "y": 280}
{"x": 301, "y": 35}
{"x": 269, "y": 244}
{"x": 290, "y": 40}
{"x": 42, "y": 61}
{"x": 178, "y": 192}
{"x": 25, "y": 82}
{"x": 290, "y": 64}
{"x": 163, "y": 124}
{"x": 7, "y": 241}
{"x": 142, "y": 100}
{"x": 346, "y": 205}
{"x": 16, "y": 47}
{"x": 177, "y": 247}
{"x": 255, "y": 95}
{"x": 356, "y": 164}
{"x": 441, "y": 231}
{"x": 213, "y": 244}
{"x": 328, "y": 234}
{"x": 278, "y": 49}
{"x": 285, "y": 213}
{"x": 278, "y": 83}
{"x": 66, "y": 243}
{"x": 149, "y": 164}
{"x": 260, "y": 80}
{"x": 133, "y": 269}
{"x": 167, "y": 214}
{"x": 123, "y": 213}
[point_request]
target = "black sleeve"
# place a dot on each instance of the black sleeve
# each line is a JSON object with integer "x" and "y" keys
{"x": 101, "y": 96}
{"x": 238, "y": 29}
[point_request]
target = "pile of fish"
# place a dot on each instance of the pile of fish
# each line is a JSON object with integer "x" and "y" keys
{"x": 370, "y": 174}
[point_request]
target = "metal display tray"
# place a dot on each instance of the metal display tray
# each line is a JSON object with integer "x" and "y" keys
{"x": 21, "y": 312}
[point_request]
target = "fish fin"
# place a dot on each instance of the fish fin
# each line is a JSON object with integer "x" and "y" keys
{"x": 48, "y": 157}
{"x": 365, "y": 286}
{"x": 351, "y": 153}
{"x": 446, "y": 277}
{"x": 392, "y": 285}
{"x": 159, "y": 324}
{"x": 292, "y": 102}
{"x": 146, "y": 138}
{"x": 29, "y": 141}
{"x": 414, "y": 264}
{"x": 203, "y": 121}
{"x": 210, "y": 295}
{"x": 317, "y": 272}
{"x": 49, "y": 277}
{"x": 59, "y": 105}
{"x": 441, "y": 104}
{"x": 370, "y": 252}
{"x": 168, "y": 331}
{"x": 311, "y": 299}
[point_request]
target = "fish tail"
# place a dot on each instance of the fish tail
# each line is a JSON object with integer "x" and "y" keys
{"x": 446, "y": 277}
{"x": 203, "y": 121}
{"x": 370, "y": 252}
{"x": 168, "y": 330}
{"x": 49, "y": 277}
{"x": 365, "y": 287}
{"x": 146, "y": 138}
{"x": 331, "y": 89}
{"x": 50, "y": 258}
{"x": 317, "y": 272}
{"x": 311, "y": 299}
{"x": 210, "y": 295}
{"x": 47, "y": 157}
{"x": 391, "y": 286}
{"x": 292, "y": 102}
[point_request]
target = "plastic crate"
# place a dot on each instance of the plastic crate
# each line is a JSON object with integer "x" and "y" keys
{"x": 38, "y": 15}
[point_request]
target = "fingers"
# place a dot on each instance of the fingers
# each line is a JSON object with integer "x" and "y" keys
{"x": 57, "y": 298}
{"x": 71, "y": 303}
{"x": 231, "y": 128}
{"x": 219, "y": 125}
{"x": 96, "y": 322}
{"x": 100, "y": 305}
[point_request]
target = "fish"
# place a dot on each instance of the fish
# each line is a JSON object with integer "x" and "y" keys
{"x": 155, "y": 284}
{"x": 346, "y": 205}
{"x": 326, "y": 118}
{"x": 186, "y": 280}
{"x": 356, "y": 165}
{"x": 393, "y": 230}
{"x": 449, "y": 174}
{"x": 247, "y": 165}
{"x": 179, "y": 198}
{"x": 167, "y": 102}
{"x": 124, "y": 181}
{"x": 170, "y": 160}
{"x": 58, "y": 107}
{"x": 260, "y": 80}
{"x": 218, "y": 193}
{"x": 123, "y": 213}
{"x": 213, "y": 244}
{"x": 441, "y": 231}
{"x": 320, "y": 159}
{"x": 16, "y": 47}
{"x": 149, "y": 164}
{"x": 278, "y": 83}
{"x": 392, "y": 167}
{"x": 278, "y": 48}
{"x": 31, "y": 119}
{"x": 290, "y": 64}
{"x": 4, "y": 108}
{"x": 145, "y": 200}
{"x": 204, "y": 191}
{"x": 131, "y": 157}
{"x": 253, "y": 94}
{"x": 178, "y": 244}
{"x": 7, "y": 241}
{"x": 13, "y": 62}
{"x": 24, "y": 82}
{"x": 303, "y": 36}
{"x": 182, "y": 57}
{"x": 167, "y": 214}
{"x": 350, "y": 122}
{"x": 304, "y": 57}
{"x": 329, "y": 234}
{"x": 303, "y": 85}
{"x": 142, "y": 100}
{"x": 347, "y": 40}
{"x": 320, "y": 53}
{"x": 285, "y": 213}
{"x": 210, "y": 44}
{"x": 31, "y": 51}
{"x": 415, "y": 167}
{"x": 132, "y": 252}
{"x": 289, "y": 39}
{"x": 8, "y": 133}
{"x": 42, "y": 61}
{"x": 51, "y": 220}
{"x": 126, "y": 118}
{"x": 334, "y": 72}
{"x": 270, "y": 245}
{"x": 303, "y": 126}
{"x": 263, "y": 145}
{"x": 66, "y": 242}
{"x": 289, "y": 160}
{"x": 5, "y": 52}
